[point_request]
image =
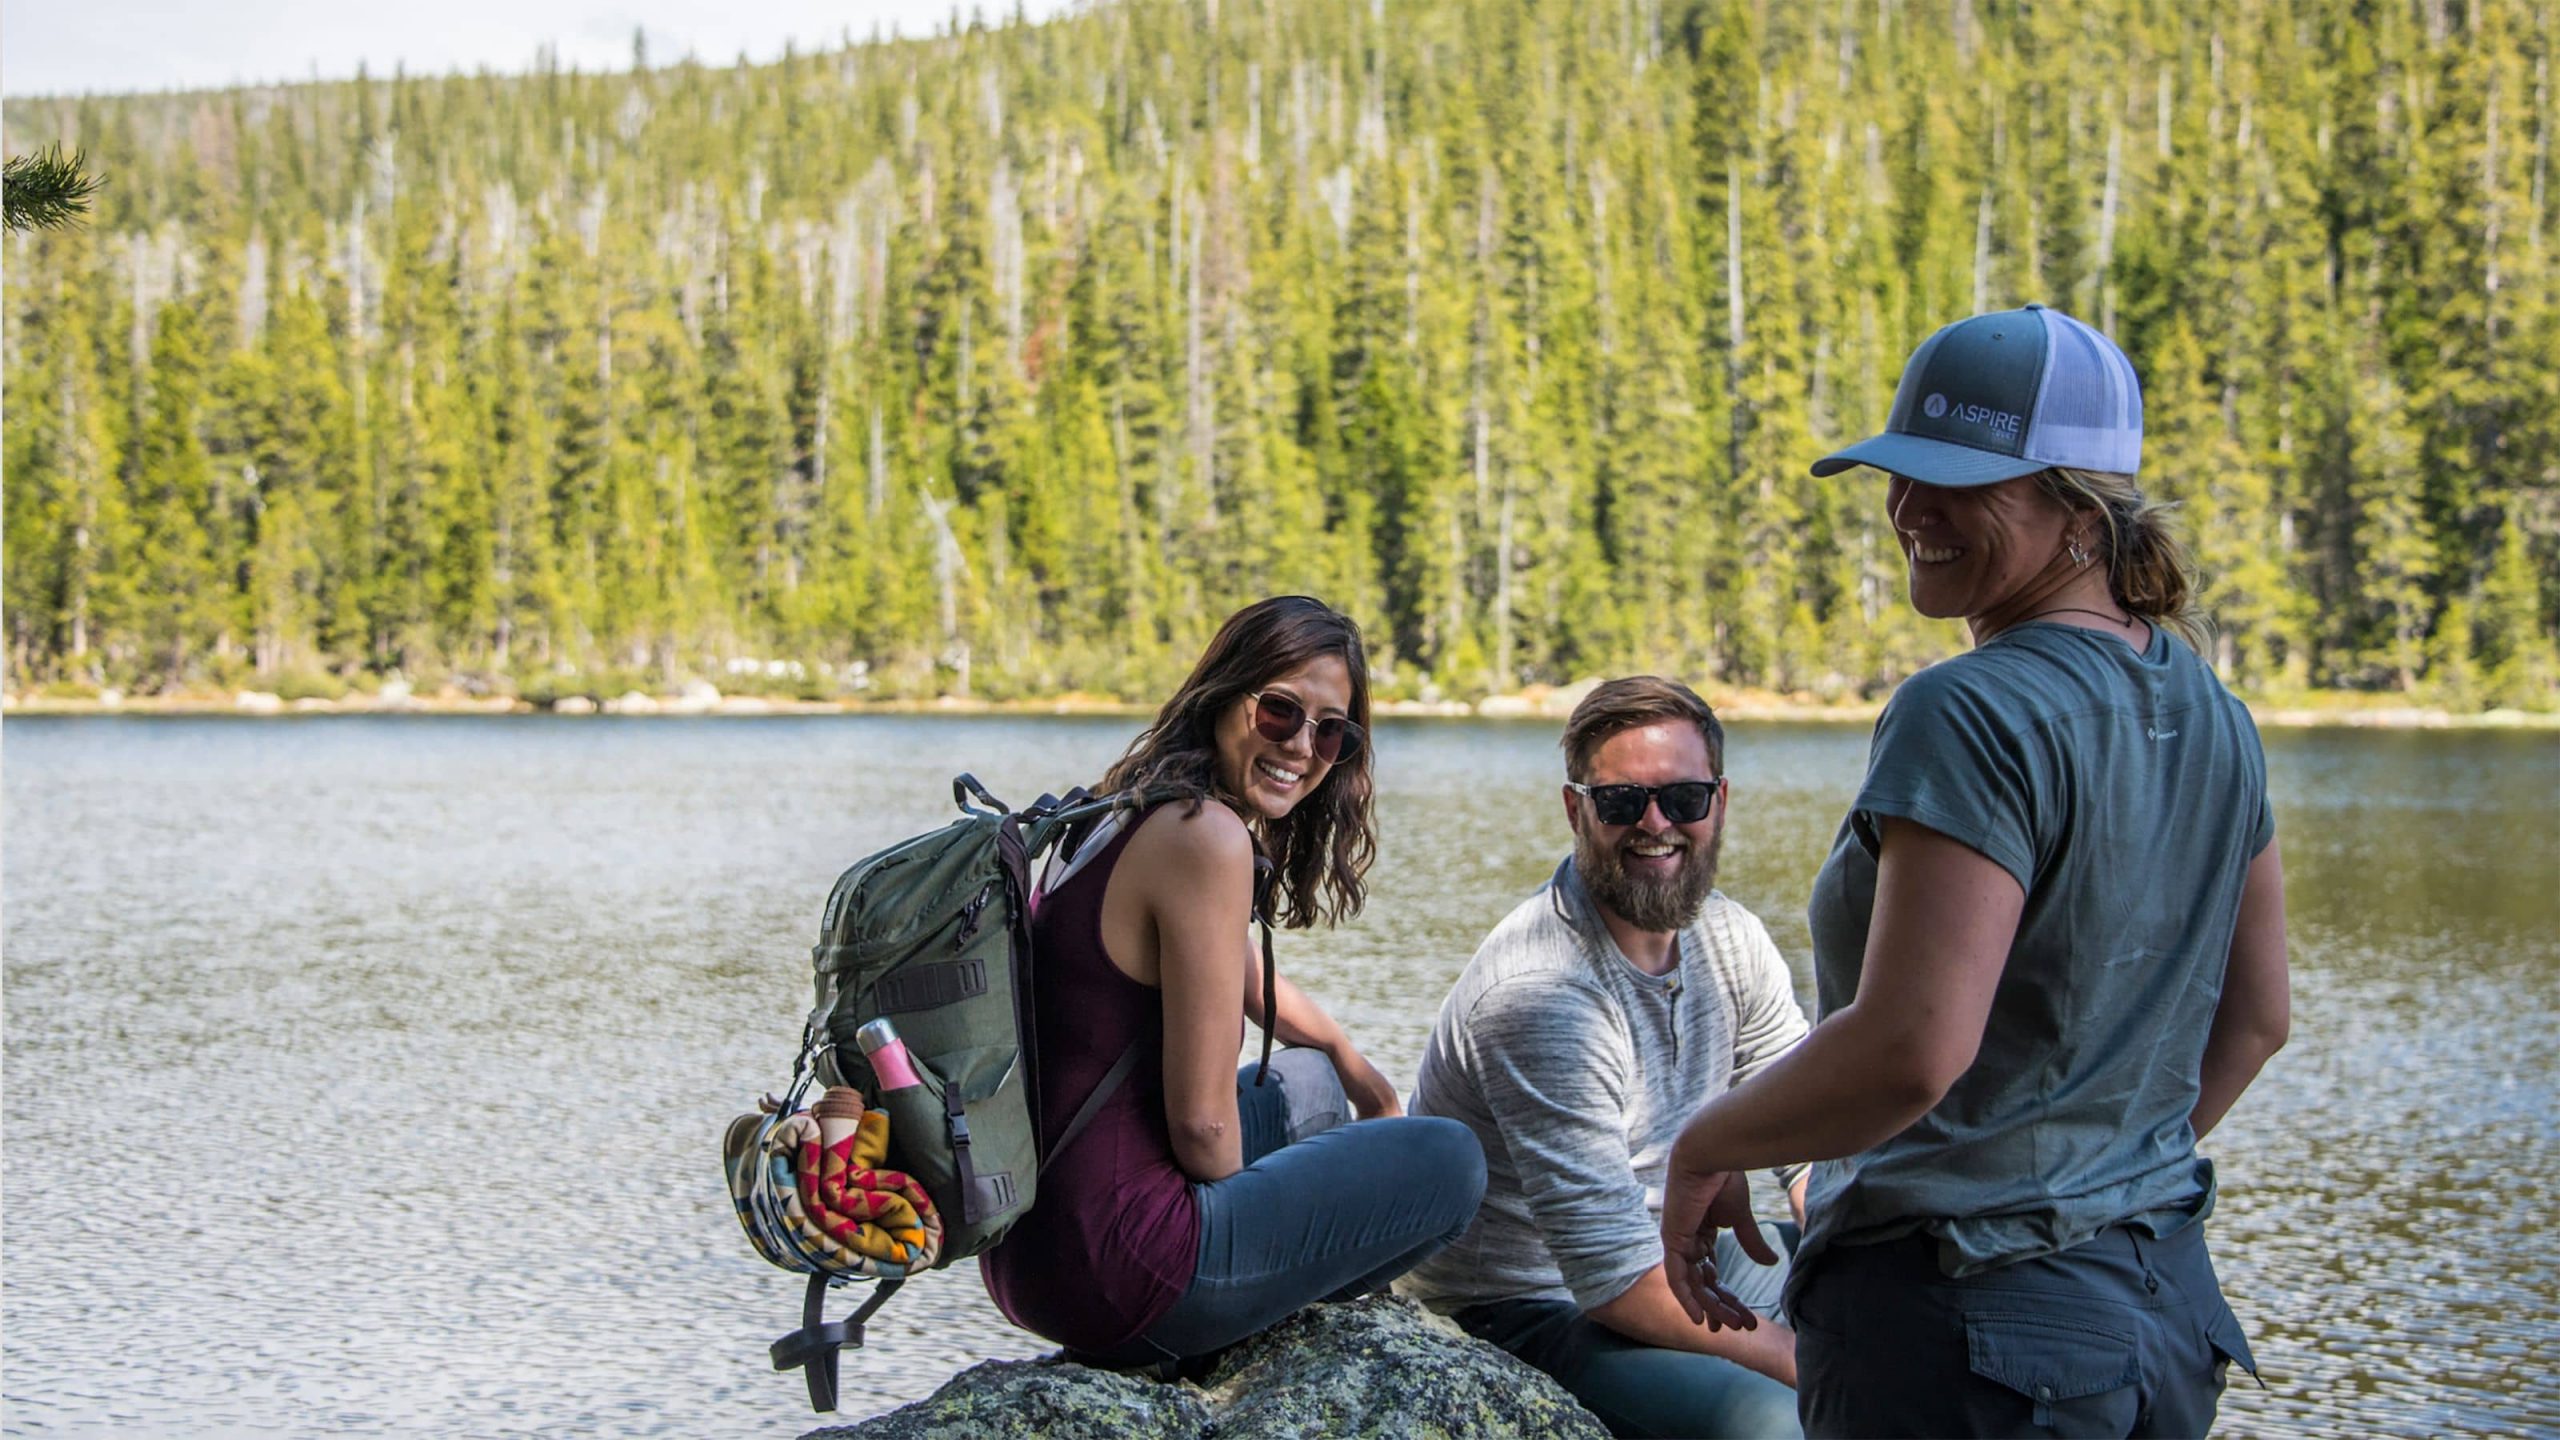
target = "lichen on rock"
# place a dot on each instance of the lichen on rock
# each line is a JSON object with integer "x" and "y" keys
{"x": 1379, "y": 1367}
{"x": 1384, "y": 1368}
{"x": 1038, "y": 1400}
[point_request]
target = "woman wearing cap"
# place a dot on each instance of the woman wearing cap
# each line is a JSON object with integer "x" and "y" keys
{"x": 1195, "y": 1205}
{"x": 2049, "y": 945}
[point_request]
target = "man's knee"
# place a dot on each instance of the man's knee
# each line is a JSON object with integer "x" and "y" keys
{"x": 1638, "y": 1389}
{"x": 1726, "y": 1401}
{"x": 1764, "y": 1407}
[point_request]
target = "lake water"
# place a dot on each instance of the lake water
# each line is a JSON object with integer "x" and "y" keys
{"x": 365, "y": 1075}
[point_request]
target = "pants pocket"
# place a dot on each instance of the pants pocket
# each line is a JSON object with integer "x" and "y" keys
{"x": 2230, "y": 1347}
{"x": 2075, "y": 1377}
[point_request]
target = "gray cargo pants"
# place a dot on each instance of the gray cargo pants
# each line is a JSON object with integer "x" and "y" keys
{"x": 2121, "y": 1335}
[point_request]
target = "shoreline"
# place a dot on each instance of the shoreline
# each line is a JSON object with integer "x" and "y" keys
{"x": 1538, "y": 703}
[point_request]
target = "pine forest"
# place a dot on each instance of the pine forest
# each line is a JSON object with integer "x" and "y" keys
{"x": 1004, "y": 362}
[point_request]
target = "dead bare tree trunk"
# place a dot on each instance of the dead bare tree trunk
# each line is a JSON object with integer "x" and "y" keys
{"x": 949, "y": 564}
{"x": 1453, "y": 618}
{"x": 2108, "y": 200}
{"x": 2489, "y": 198}
{"x": 1736, "y": 312}
{"x": 1982, "y": 252}
{"x": 1503, "y": 673}
{"x": 2164, "y": 107}
{"x": 1199, "y": 417}
{"x": 2541, "y": 149}
{"x": 84, "y": 469}
{"x": 879, "y": 494}
{"x": 1004, "y": 208}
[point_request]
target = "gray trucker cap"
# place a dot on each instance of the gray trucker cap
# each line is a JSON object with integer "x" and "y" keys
{"x": 2003, "y": 395}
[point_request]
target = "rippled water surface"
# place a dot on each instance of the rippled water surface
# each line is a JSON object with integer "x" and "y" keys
{"x": 365, "y": 1075}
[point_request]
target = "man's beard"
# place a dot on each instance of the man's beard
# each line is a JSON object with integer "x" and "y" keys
{"x": 1648, "y": 903}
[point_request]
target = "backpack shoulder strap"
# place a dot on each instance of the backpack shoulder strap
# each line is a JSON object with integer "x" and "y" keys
{"x": 1102, "y": 1089}
{"x": 1265, "y": 875}
{"x": 1052, "y": 816}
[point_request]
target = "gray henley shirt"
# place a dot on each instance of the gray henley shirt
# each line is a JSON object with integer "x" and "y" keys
{"x": 1576, "y": 1070}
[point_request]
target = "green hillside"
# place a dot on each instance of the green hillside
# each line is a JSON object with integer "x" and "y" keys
{"x": 1007, "y": 361}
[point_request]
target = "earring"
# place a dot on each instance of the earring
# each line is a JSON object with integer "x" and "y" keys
{"x": 2079, "y": 556}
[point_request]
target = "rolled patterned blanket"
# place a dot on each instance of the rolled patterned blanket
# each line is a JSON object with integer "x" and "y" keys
{"x": 839, "y": 1211}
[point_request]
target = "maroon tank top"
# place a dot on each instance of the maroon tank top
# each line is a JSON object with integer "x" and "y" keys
{"x": 1113, "y": 1237}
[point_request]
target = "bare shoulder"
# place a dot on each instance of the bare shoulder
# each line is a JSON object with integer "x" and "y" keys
{"x": 1187, "y": 846}
{"x": 1192, "y": 877}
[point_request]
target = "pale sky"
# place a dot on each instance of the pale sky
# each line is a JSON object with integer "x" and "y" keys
{"x": 52, "y": 47}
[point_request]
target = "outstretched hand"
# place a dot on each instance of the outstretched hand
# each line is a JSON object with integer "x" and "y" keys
{"x": 1697, "y": 1200}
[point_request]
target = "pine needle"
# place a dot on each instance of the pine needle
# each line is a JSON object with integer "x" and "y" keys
{"x": 47, "y": 189}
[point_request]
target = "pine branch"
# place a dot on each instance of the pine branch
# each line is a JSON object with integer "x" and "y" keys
{"x": 47, "y": 189}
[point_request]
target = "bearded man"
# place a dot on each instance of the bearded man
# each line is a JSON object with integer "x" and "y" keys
{"x": 1591, "y": 1023}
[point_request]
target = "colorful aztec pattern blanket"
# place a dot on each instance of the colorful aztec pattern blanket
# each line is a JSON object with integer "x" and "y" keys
{"x": 812, "y": 1206}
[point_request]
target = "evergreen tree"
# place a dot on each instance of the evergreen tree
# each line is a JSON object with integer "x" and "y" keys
{"x": 1009, "y": 358}
{"x": 180, "y": 609}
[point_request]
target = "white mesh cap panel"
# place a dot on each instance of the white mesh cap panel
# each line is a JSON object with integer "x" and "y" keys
{"x": 2089, "y": 412}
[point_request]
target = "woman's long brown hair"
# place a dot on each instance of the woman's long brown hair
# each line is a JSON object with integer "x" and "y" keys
{"x": 1321, "y": 849}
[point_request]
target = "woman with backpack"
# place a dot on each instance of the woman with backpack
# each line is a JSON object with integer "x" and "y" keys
{"x": 1199, "y": 1204}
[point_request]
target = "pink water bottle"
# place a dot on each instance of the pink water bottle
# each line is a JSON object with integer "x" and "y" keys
{"x": 888, "y": 1055}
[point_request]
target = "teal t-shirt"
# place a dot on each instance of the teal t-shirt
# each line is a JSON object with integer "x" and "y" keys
{"x": 2127, "y": 793}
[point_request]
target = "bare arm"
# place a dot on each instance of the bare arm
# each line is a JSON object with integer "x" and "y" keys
{"x": 1945, "y": 915}
{"x": 2256, "y": 1011}
{"x": 1650, "y": 1314}
{"x": 1197, "y": 872}
{"x": 1795, "y": 1196}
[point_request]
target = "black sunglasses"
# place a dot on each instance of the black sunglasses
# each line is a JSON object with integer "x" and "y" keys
{"x": 1684, "y": 802}
{"x": 1277, "y": 717}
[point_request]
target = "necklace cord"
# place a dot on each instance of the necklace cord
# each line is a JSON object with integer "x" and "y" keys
{"x": 2126, "y": 620}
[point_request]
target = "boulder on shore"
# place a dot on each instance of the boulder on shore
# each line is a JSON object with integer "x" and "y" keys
{"x": 1379, "y": 1366}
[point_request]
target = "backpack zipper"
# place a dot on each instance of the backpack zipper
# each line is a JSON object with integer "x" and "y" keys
{"x": 970, "y": 912}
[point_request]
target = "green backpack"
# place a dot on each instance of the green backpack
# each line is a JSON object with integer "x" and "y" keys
{"x": 934, "y": 934}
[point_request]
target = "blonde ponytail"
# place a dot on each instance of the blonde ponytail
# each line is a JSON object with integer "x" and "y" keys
{"x": 2149, "y": 571}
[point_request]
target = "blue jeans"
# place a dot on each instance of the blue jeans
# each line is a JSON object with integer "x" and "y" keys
{"x": 1645, "y": 1390}
{"x": 1322, "y": 1210}
{"x": 2120, "y": 1335}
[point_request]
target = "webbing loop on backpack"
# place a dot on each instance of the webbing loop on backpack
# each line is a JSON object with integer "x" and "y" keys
{"x": 804, "y": 1071}
{"x": 955, "y": 1121}
{"x": 1047, "y": 816}
{"x": 965, "y": 786}
{"x": 927, "y": 987}
{"x": 815, "y": 1343}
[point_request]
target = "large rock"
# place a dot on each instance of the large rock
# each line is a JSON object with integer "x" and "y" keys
{"x": 1038, "y": 1400}
{"x": 1385, "y": 1368}
{"x": 1376, "y": 1367}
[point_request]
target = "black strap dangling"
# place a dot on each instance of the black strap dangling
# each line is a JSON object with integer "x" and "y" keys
{"x": 815, "y": 1344}
{"x": 1265, "y": 878}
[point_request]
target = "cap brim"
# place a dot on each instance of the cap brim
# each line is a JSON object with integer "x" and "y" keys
{"x": 1934, "y": 462}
